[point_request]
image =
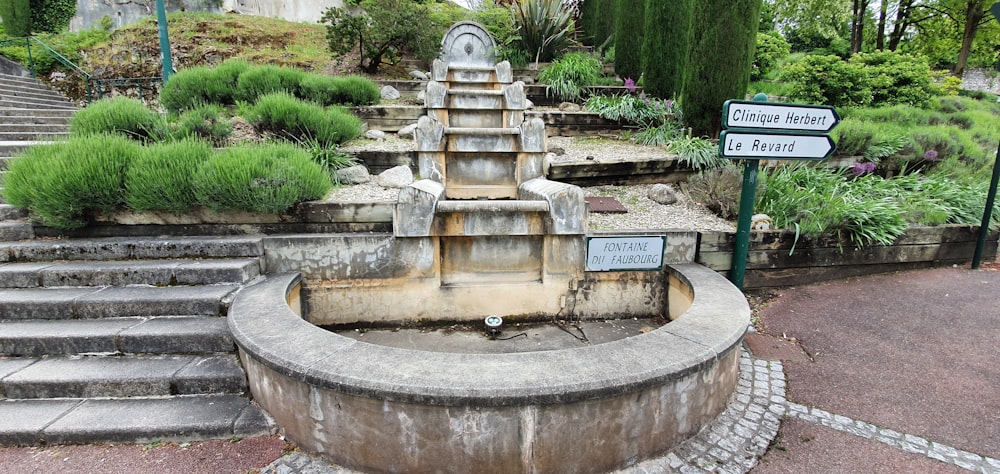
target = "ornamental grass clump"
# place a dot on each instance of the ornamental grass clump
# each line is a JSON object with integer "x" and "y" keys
{"x": 162, "y": 177}
{"x": 259, "y": 81}
{"x": 207, "y": 122}
{"x": 61, "y": 184}
{"x": 259, "y": 178}
{"x": 568, "y": 77}
{"x": 197, "y": 86}
{"x": 122, "y": 116}
{"x": 286, "y": 117}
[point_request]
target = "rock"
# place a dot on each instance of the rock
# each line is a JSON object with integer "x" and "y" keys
{"x": 419, "y": 75}
{"x": 760, "y": 222}
{"x": 356, "y": 174}
{"x": 422, "y": 96}
{"x": 569, "y": 107}
{"x": 407, "y": 131}
{"x": 375, "y": 135}
{"x": 390, "y": 93}
{"x": 397, "y": 177}
{"x": 663, "y": 194}
{"x": 528, "y": 104}
{"x": 558, "y": 151}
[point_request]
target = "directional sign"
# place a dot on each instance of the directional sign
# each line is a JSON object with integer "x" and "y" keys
{"x": 770, "y": 116}
{"x": 774, "y": 146}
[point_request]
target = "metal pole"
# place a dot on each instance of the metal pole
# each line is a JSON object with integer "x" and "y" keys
{"x": 984, "y": 228}
{"x": 31, "y": 62}
{"x": 741, "y": 248}
{"x": 161, "y": 20}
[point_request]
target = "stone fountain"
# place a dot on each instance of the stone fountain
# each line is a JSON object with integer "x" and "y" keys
{"x": 483, "y": 233}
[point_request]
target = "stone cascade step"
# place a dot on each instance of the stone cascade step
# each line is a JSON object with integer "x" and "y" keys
{"x": 115, "y": 336}
{"x": 129, "y": 420}
{"x": 125, "y": 273}
{"x": 106, "y": 377}
{"x": 123, "y": 340}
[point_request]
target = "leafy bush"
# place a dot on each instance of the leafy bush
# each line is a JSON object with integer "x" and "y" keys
{"x": 52, "y": 16}
{"x": 263, "y": 80}
{"x": 828, "y": 80}
{"x": 718, "y": 189}
{"x": 644, "y": 111}
{"x": 567, "y": 78}
{"x": 208, "y": 122}
{"x": 896, "y": 78}
{"x": 771, "y": 48}
{"x": 119, "y": 115}
{"x": 161, "y": 177}
{"x": 61, "y": 183}
{"x": 546, "y": 28}
{"x": 381, "y": 28}
{"x": 696, "y": 152}
{"x": 356, "y": 90}
{"x": 259, "y": 178}
{"x": 288, "y": 117}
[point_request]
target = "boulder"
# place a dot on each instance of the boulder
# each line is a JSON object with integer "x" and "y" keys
{"x": 407, "y": 131}
{"x": 357, "y": 174}
{"x": 396, "y": 177}
{"x": 390, "y": 93}
{"x": 662, "y": 194}
{"x": 419, "y": 75}
{"x": 570, "y": 107}
{"x": 375, "y": 135}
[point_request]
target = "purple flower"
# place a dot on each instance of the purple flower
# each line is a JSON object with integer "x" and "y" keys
{"x": 861, "y": 169}
{"x": 931, "y": 155}
{"x": 630, "y": 84}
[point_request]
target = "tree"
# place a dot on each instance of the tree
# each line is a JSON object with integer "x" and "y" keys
{"x": 382, "y": 27}
{"x": 605, "y": 22}
{"x": 588, "y": 20}
{"x": 16, "y": 16}
{"x": 665, "y": 49}
{"x": 628, "y": 38}
{"x": 725, "y": 34}
{"x": 813, "y": 24}
{"x": 858, "y": 13}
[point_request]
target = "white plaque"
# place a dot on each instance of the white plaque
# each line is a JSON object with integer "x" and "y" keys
{"x": 627, "y": 252}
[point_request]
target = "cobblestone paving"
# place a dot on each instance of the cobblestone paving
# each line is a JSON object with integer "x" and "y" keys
{"x": 906, "y": 442}
{"x": 732, "y": 444}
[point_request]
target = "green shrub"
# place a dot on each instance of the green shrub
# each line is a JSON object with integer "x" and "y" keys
{"x": 16, "y": 16}
{"x": 208, "y": 122}
{"x": 61, "y": 183}
{"x": 718, "y": 189}
{"x": 380, "y": 29}
{"x": 896, "y": 78}
{"x": 546, "y": 28}
{"x": 319, "y": 89}
{"x": 263, "y": 80}
{"x": 827, "y": 80}
{"x": 356, "y": 90}
{"x": 643, "y": 111}
{"x": 771, "y": 48}
{"x": 119, "y": 115}
{"x": 629, "y": 26}
{"x": 287, "y": 117}
{"x": 193, "y": 87}
{"x": 663, "y": 67}
{"x": 259, "y": 178}
{"x": 161, "y": 177}
{"x": 697, "y": 153}
{"x": 567, "y": 78}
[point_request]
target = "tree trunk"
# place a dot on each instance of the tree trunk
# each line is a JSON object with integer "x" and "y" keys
{"x": 880, "y": 39}
{"x": 858, "y": 24}
{"x": 974, "y": 12}
{"x": 902, "y": 21}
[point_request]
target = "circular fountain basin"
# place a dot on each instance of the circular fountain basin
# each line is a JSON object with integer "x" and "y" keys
{"x": 593, "y": 408}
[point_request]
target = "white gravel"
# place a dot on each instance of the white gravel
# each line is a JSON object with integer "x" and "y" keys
{"x": 643, "y": 213}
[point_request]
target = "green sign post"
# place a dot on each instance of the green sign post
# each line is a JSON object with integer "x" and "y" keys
{"x": 760, "y": 130}
{"x": 984, "y": 226}
{"x": 161, "y": 20}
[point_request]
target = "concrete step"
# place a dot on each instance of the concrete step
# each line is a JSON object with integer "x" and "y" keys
{"x": 33, "y": 129}
{"x": 135, "y": 335}
{"x": 30, "y": 136}
{"x": 115, "y": 376}
{"x": 35, "y": 119}
{"x": 47, "y": 113}
{"x": 17, "y": 230}
{"x": 126, "y": 272}
{"x": 114, "y": 302}
{"x": 13, "y": 147}
{"x": 23, "y": 81}
{"x": 29, "y": 93}
{"x": 132, "y": 248}
{"x": 141, "y": 420}
{"x": 16, "y": 103}
{"x": 11, "y": 213}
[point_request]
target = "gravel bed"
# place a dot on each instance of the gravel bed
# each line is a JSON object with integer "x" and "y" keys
{"x": 643, "y": 213}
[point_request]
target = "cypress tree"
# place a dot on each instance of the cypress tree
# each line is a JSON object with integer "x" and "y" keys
{"x": 666, "y": 40}
{"x": 16, "y": 16}
{"x": 725, "y": 37}
{"x": 629, "y": 27}
{"x": 605, "y": 22}
{"x": 588, "y": 20}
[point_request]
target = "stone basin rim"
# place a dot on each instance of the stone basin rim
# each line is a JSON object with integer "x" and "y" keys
{"x": 266, "y": 329}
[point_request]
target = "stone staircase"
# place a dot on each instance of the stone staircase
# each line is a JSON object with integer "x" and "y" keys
{"x": 30, "y": 113}
{"x": 123, "y": 340}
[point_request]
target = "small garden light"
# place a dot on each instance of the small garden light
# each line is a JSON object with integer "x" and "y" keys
{"x": 493, "y": 324}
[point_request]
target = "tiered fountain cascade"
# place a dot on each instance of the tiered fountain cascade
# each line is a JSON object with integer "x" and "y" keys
{"x": 484, "y": 234}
